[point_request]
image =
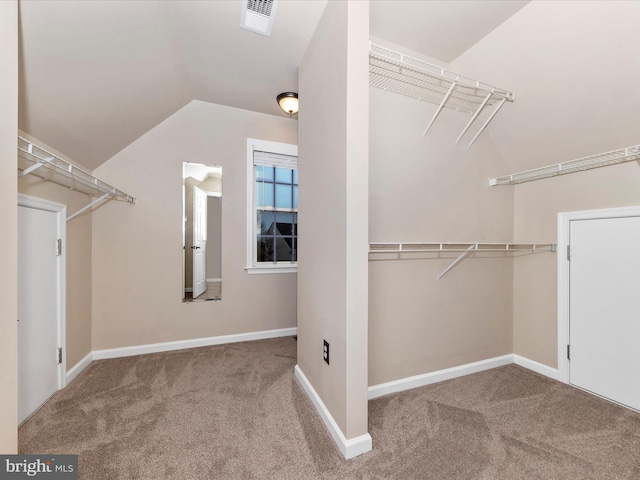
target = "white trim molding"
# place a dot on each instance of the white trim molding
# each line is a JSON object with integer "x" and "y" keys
{"x": 536, "y": 367}
{"x": 192, "y": 343}
{"x": 416, "y": 381}
{"x": 79, "y": 367}
{"x": 349, "y": 448}
{"x": 564, "y": 228}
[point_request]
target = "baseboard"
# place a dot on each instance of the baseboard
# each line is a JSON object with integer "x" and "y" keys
{"x": 536, "y": 367}
{"x": 74, "y": 371}
{"x": 213, "y": 280}
{"x": 349, "y": 448}
{"x": 193, "y": 343}
{"x": 416, "y": 381}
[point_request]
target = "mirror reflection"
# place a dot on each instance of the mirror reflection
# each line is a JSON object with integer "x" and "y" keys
{"x": 201, "y": 232}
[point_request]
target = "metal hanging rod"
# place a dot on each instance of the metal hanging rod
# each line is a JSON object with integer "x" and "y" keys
{"x": 35, "y": 160}
{"x": 399, "y": 73}
{"x": 614, "y": 157}
{"x": 465, "y": 247}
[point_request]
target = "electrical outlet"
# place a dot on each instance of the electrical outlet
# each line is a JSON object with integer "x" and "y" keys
{"x": 325, "y": 352}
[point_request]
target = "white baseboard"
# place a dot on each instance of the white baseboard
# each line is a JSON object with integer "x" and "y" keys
{"x": 349, "y": 448}
{"x": 213, "y": 280}
{"x": 416, "y": 381}
{"x": 536, "y": 367}
{"x": 79, "y": 367}
{"x": 193, "y": 343}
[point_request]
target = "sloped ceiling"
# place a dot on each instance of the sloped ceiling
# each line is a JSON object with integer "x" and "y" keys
{"x": 96, "y": 75}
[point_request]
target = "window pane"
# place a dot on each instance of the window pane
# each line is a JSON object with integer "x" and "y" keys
{"x": 264, "y": 173}
{"x": 295, "y": 177}
{"x": 283, "y": 196}
{"x": 295, "y": 224}
{"x": 295, "y": 197}
{"x": 264, "y": 251}
{"x": 264, "y": 194}
{"x": 283, "y": 175}
{"x": 284, "y": 223}
{"x": 265, "y": 223}
{"x": 284, "y": 249}
{"x": 295, "y": 249}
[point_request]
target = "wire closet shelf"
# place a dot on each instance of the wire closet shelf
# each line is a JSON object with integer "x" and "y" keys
{"x": 465, "y": 249}
{"x": 35, "y": 160}
{"x": 405, "y": 75}
{"x": 613, "y": 157}
{"x": 444, "y": 247}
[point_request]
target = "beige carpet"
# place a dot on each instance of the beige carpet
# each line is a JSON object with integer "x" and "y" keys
{"x": 236, "y": 412}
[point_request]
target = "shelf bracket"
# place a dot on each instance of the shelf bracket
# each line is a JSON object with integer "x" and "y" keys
{"x": 475, "y": 115}
{"x": 94, "y": 202}
{"x": 440, "y": 107}
{"x": 457, "y": 260}
{"x": 35, "y": 166}
{"x": 493, "y": 114}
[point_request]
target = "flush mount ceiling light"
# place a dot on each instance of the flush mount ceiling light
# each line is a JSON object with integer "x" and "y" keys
{"x": 288, "y": 102}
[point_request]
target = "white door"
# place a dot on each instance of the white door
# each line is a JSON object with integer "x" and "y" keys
{"x": 38, "y": 308}
{"x": 199, "y": 242}
{"x": 604, "y": 303}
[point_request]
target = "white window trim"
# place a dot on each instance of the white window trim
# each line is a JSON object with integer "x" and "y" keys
{"x": 263, "y": 146}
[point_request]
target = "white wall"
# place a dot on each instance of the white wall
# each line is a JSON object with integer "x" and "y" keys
{"x": 137, "y": 249}
{"x": 572, "y": 66}
{"x": 9, "y": 219}
{"x": 333, "y": 166}
{"x": 434, "y": 191}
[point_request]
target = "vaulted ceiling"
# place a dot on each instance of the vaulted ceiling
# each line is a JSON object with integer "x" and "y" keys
{"x": 96, "y": 75}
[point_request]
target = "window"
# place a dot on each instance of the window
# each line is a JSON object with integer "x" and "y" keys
{"x": 273, "y": 207}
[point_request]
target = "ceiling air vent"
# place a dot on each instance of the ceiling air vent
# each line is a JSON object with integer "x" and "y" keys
{"x": 258, "y": 15}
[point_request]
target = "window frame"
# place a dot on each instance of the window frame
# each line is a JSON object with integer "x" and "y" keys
{"x": 252, "y": 266}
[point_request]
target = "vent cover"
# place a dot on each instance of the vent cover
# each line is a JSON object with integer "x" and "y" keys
{"x": 257, "y": 15}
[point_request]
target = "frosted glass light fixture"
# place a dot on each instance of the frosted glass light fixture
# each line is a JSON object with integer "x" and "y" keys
{"x": 288, "y": 102}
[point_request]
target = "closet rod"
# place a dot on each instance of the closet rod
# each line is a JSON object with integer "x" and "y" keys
{"x": 35, "y": 160}
{"x": 613, "y": 157}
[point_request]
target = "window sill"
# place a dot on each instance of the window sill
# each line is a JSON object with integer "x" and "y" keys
{"x": 272, "y": 269}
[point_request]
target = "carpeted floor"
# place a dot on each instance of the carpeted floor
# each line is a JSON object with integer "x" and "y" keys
{"x": 236, "y": 412}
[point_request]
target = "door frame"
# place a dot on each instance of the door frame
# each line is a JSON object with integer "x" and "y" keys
{"x": 564, "y": 228}
{"x": 61, "y": 274}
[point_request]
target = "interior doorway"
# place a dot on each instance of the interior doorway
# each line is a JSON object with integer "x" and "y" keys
{"x": 41, "y": 302}
{"x": 602, "y": 325}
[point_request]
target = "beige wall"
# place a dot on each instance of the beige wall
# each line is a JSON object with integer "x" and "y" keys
{"x": 572, "y": 67}
{"x": 434, "y": 191}
{"x": 137, "y": 249}
{"x": 78, "y": 297}
{"x": 332, "y": 271}
{"x": 8, "y": 217}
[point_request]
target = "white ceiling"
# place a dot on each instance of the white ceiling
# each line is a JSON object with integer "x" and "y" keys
{"x": 96, "y": 75}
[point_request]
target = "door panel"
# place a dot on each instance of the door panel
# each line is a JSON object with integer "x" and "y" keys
{"x": 605, "y": 307}
{"x": 199, "y": 242}
{"x": 37, "y": 309}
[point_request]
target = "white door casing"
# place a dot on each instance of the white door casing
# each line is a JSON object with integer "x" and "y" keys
{"x": 598, "y": 303}
{"x": 199, "y": 241}
{"x": 41, "y": 303}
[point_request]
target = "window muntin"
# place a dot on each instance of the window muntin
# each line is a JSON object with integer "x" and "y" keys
{"x": 273, "y": 230}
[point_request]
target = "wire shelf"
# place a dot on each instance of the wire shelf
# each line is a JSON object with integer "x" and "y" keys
{"x": 614, "y": 157}
{"x": 35, "y": 160}
{"x": 444, "y": 247}
{"x": 405, "y": 75}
